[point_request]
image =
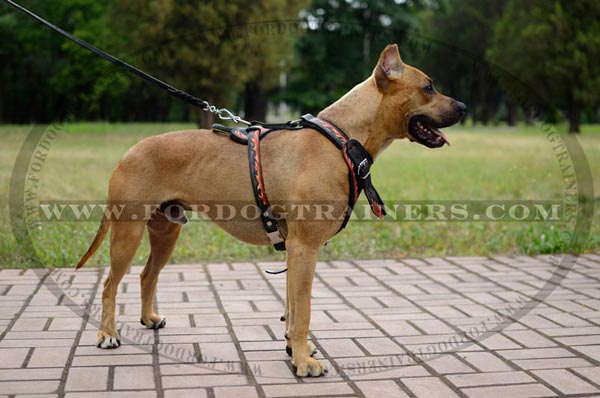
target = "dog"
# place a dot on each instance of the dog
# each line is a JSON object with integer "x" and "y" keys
{"x": 197, "y": 166}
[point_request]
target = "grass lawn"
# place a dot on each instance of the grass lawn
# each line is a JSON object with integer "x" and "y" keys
{"x": 483, "y": 163}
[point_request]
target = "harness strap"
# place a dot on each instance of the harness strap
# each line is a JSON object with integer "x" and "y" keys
{"x": 357, "y": 159}
{"x": 328, "y": 129}
{"x": 359, "y": 163}
{"x": 258, "y": 186}
{"x": 360, "y": 160}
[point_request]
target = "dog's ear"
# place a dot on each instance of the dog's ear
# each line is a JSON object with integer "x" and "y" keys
{"x": 389, "y": 67}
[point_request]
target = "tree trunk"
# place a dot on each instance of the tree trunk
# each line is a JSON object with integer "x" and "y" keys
{"x": 574, "y": 115}
{"x": 512, "y": 116}
{"x": 486, "y": 114}
{"x": 255, "y": 102}
{"x": 203, "y": 119}
{"x": 2, "y": 103}
{"x": 529, "y": 115}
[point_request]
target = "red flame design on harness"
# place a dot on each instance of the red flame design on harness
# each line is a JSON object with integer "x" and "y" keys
{"x": 258, "y": 167}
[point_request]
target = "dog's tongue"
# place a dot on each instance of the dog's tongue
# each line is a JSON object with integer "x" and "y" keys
{"x": 439, "y": 132}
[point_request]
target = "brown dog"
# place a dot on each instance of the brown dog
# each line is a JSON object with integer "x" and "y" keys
{"x": 198, "y": 166}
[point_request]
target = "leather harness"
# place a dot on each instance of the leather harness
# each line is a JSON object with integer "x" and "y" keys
{"x": 354, "y": 154}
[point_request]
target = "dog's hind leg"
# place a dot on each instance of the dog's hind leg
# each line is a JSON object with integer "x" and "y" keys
{"x": 124, "y": 240}
{"x": 301, "y": 261}
{"x": 163, "y": 237}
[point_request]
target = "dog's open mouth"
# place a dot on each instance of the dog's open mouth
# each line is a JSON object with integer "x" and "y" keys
{"x": 426, "y": 132}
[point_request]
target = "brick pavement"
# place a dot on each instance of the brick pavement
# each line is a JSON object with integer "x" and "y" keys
{"x": 434, "y": 327}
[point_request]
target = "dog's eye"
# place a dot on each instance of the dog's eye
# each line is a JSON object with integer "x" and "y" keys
{"x": 429, "y": 89}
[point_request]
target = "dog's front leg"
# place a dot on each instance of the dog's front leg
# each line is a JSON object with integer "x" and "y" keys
{"x": 301, "y": 262}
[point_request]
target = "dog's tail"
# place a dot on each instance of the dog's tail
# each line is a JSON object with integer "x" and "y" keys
{"x": 102, "y": 230}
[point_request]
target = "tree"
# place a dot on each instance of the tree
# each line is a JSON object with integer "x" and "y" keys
{"x": 460, "y": 32}
{"x": 552, "y": 47}
{"x": 210, "y": 49}
{"x": 340, "y": 46}
{"x": 269, "y": 51}
{"x": 46, "y": 77}
{"x": 89, "y": 84}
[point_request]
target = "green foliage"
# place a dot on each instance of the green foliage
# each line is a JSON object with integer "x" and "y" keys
{"x": 551, "y": 47}
{"x": 340, "y": 46}
{"x": 209, "y": 48}
{"x": 460, "y": 32}
{"x": 542, "y": 52}
{"x": 44, "y": 76}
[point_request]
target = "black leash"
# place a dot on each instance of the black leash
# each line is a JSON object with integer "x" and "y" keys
{"x": 223, "y": 113}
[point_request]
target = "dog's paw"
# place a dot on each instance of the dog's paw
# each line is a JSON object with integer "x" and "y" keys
{"x": 310, "y": 367}
{"x": 106, "y": 342}
{"x": 154, "y": 323}
{"x": 311, "y": 346}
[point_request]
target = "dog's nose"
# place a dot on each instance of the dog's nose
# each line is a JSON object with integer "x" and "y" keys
{"x": 459, "y": 107}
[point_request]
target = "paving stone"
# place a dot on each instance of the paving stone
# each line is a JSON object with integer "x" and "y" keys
{"x": 529, "y": 338}
{"x": 201, "y": 368}
{"x": 565, "y": 381}
{"x": 380, "y": 346}
{"x": 433, "y": 326}
{"x": 112, "y": 394}
{"x": 362, "y": 325}
{"x": 87, "y": 379}
{"x": 336, "y": 348}
{"x": 237, "y": 392}
{"x": 376, "y": 372}
{"x": 521, "y": 391}
{"x": 32, "y": 324}
{"x": 399, "y": 328}
{"x": 187, "y": 393}
{"x": 536, "y": 353}
{"x": 348, "y": 333}
{"x": 498, "y": 342}
{"x": 592, "y": 373}
{"x": 66, "y": 324}
{"x": 30, "y": 374}
{"x": 203, "y": 381}
{"x": 381, "y": 388}
{"x": 49, "y": 357}
{"x": 347, "y": 316}
{"x": 445, "y": 364}
{"x": 310, "y": 390}
{"x": 116, "y": 359}
{"x": 485, "y": 361}
{"x": 12, "y": 357}
{"x": 491, "y": 378}
{"x": 133, "y": 378}
{"x": 428, "y": 387}
{"x": 592, "y": 351}
{"x": 567, "y": 320}
{"x": 29, "y": 387}
{"x": 551, "y": 363}
{"x": 251, "y": 333}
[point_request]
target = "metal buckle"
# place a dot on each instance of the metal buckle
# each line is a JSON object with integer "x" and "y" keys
{"x": 362, "y": 164}
{"x": 275, "y": 237}
{"x": 295, "y": 123}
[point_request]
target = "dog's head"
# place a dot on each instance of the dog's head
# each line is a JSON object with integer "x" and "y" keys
{"x": 415, "y": 110}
